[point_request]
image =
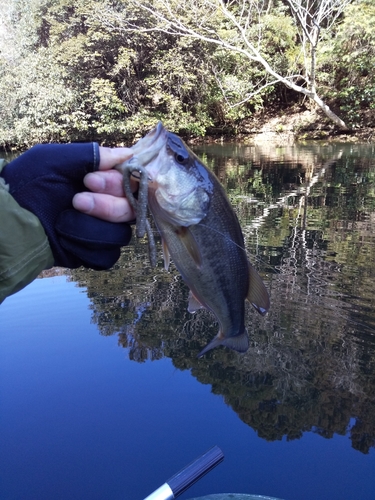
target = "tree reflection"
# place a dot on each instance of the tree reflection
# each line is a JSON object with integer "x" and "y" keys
{"x": 311, "y": 361}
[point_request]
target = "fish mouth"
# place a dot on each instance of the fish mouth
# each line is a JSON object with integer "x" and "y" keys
{"x": 156, "y": 131}
{"x": 151, "y": 142}
{"x": 146, "y": 149}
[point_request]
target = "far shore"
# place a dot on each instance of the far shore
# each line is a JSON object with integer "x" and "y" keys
{"x": 279, "y": 127}
{"x": 288, "y": 126}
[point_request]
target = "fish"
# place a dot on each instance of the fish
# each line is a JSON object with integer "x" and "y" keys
{"x": 201, "y": 233}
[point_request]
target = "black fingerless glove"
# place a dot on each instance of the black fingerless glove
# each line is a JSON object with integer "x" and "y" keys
{"x": 44, "y": 180}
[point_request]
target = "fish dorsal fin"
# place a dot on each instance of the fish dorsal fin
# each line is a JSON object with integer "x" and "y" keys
{"x": 257, "y": 294}
{"x": 194, "y": 304}
{"x": 190, "y": 244}
{"x": 239, "y": 343}
{"x": 167, "y": 258}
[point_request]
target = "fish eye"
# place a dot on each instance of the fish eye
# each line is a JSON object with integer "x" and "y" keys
{"x": 179, "y": 158}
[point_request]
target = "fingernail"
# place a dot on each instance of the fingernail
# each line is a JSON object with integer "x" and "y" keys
{"x": 84, "y": 202}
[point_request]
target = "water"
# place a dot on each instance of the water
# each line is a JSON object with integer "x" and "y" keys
{"x": 101, "y": 392}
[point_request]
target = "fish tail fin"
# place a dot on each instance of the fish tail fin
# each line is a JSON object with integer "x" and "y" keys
{"x": 239, "y": 343}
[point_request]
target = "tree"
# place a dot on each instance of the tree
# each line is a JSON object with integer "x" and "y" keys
{"x": 64, "y": 76}
{"x": 311, "y": 17}
{"x": 352, "y": 76}
{"x": 240, "y": 26}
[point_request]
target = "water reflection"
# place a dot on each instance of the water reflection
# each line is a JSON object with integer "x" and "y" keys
{"x": 308, "y": 215}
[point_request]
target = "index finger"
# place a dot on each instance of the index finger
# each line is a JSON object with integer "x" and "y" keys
{"x": 110, "y": 157}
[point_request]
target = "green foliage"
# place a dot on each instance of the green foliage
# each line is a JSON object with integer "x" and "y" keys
{"x": 352, "y": 59}
{"x": 38, "y": 106}
{"x": 75, "y": 79}
{"x": 280, "y": 41}
{"x": 69, "y": 73}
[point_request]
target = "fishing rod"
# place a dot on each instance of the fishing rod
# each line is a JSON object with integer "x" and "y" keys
{"x": 187, "y": 476}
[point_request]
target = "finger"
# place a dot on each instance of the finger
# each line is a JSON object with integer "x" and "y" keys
{"x": 109, "y": 157}
{"x": 109, "y": 182}
{"x": 104, "y": 206}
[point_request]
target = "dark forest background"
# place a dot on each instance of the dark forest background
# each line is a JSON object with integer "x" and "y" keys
{"x": 67, "y": 75}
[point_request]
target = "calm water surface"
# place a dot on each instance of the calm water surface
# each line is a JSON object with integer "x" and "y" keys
{"x": 102, "y": 396}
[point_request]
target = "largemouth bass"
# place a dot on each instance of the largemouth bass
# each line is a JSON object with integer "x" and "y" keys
{"x": 201, "y": 233}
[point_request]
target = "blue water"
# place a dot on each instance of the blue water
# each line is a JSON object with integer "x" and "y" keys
{"x": 79, "y": 420}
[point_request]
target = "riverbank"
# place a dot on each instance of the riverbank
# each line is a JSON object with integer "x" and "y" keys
{"x": 289, "y": 125}
{"x": 279, "y": 126}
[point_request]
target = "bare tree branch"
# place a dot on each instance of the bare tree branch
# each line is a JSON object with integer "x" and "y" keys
{"x": 193, "y": 19}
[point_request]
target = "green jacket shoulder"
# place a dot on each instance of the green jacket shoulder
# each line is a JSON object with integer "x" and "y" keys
{"x": 24, "y": 247}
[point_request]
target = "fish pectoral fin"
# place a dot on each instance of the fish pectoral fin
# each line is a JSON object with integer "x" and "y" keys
{"x": 190, "y": 244}
{"x": 194, "y": 304}
{"x": 239, "y": 343}
{"x": 257, "y": 294}
{"x": 167, "y": 258}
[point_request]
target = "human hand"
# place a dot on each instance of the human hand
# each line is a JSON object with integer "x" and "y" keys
{"x": 106, "y": 198}
{"x": 46, "y": 179}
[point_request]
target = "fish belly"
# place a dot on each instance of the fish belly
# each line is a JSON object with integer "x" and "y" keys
{"x": 220, "y": 282}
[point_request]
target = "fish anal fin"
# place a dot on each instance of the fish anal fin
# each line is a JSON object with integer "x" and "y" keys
{"x": 239, "y": 343}
{"x": 190, "y": 244}
{"x": 194, "y": 304}
{"x": 167, "y": 259}
{"x": 257, "y": 294}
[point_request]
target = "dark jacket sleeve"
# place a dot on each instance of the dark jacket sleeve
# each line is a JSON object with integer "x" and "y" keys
{"x": 24, "y": 247}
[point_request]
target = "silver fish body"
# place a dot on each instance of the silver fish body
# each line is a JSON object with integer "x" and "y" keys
{"x": 202, "y": 235}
